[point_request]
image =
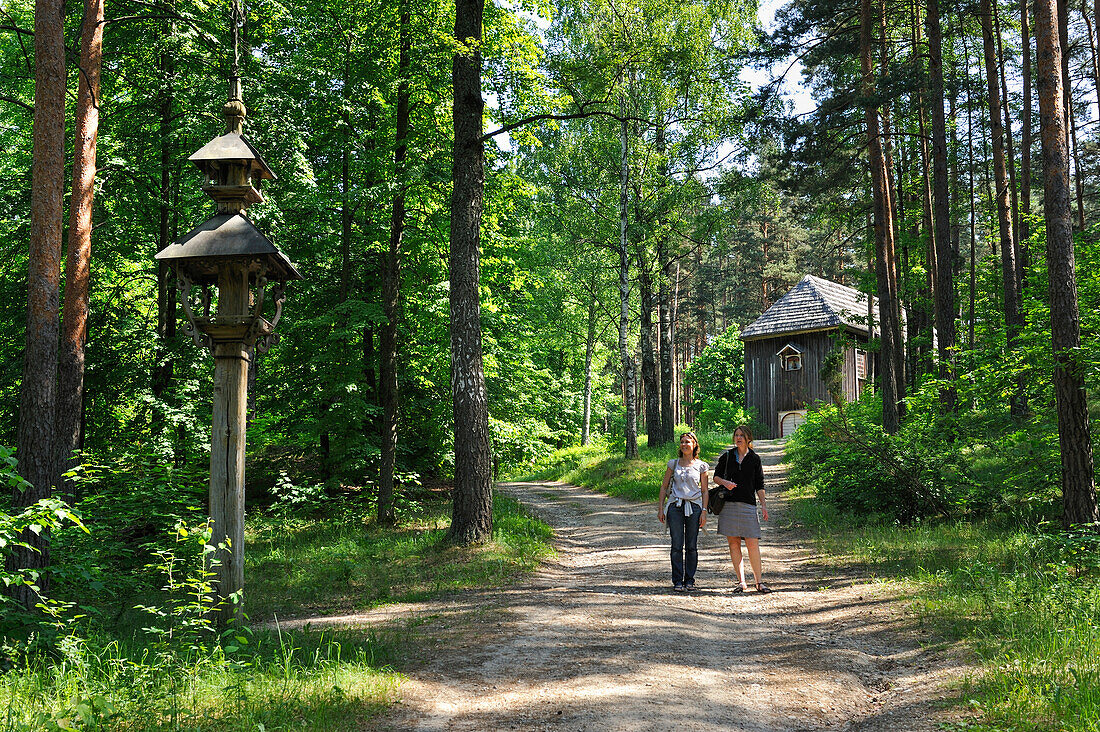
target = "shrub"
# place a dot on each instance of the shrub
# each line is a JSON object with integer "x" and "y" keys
{"x": 860, "y": 469}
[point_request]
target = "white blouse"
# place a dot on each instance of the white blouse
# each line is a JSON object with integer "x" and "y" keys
{"x": 686, "y": 483}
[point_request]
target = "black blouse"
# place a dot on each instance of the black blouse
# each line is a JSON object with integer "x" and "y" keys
{"x": 748, "y": 475}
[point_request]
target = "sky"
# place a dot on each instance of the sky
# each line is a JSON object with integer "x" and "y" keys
{"x": 792, "y": 87}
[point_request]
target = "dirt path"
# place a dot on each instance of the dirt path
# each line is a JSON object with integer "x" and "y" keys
{"x": 597, "y": 641}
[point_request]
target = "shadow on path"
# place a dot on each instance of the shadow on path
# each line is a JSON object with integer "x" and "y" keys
{"x": 595, "y": 640}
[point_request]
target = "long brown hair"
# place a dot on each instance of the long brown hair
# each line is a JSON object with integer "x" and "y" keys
{"x": 694, "y": 452}
{"x": 746, "y": 431}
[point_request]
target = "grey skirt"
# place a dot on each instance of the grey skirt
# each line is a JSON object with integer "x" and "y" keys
{"x": 739, "y": 519}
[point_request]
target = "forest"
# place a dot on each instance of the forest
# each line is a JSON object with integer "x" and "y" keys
{"x": 526, "y": 233}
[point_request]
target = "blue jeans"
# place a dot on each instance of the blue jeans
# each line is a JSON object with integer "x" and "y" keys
{"x": 685, "y": 542}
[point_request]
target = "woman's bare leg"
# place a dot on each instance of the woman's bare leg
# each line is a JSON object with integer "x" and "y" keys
{"x": 738, "y": 559}
{"x": 753, "y": 545}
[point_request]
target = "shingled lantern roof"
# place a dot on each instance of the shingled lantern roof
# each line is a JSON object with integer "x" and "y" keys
{"x": 233, "y": 169}
{"x": 223, "y": 237}
{"x": 813, "y": 304}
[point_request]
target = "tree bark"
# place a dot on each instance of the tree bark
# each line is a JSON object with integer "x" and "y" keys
{"x": 1012, "y": 304}
{"x": 472, "y": 513}
{"x": 664, "y": 319}
{"x": 1010, "y": 154}
{"x": 631, "y": 426}
{"x": 163, "y": 371}
{"x": 1025, "y": 134}
{"x": 1078, "y": 488}
{"x": 882, "y": 223}
{"x": 943, "y": 282}
{"x": 647, "y": 342}
{"x": 391, "y": 285}
{"x": 589, "y": 352}
{"x": 74, "y": 327}
{"x": 38, "y": 394}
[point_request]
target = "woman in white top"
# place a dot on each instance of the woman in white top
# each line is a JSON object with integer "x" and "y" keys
{"x": 685, "y": 509}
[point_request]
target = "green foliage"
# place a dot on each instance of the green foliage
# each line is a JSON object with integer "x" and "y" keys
{"x": 24, "y": 632}
{"x": 719, "y": 371}
{"x": 602, "y": 467}
{"x": 176, "y": 672}
{"x": 854, "y": 465}
{"x": 1025, "y": 600}
{"x": 341, "y": 561}
{"x": 717, "y": 381}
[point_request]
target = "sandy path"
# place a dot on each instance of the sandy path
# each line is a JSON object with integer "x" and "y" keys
{"x": 597, "y": 641}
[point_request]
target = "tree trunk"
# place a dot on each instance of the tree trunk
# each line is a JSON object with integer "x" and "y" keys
{"x": 1078, "y": 488}
{"x": 370, "y": 357}
{"x": 893, "y": 233}
{"x": 1078, "y": 176}
{"x": 589, "y": 351}
{"x": 700, "y": 325}
{"x": 1010, "y": 285}
{"x": 973, "y": 217}
{"x": 677, "y": 371}
{"x": 37, "y": 395}
{"x": 163, "y": 371}
{"x": 631, "y": 427}
{"x": 882, "y": 224}
{"x": 1096, "y": 24}
{"x": 944, "y": 281}
{"x": 1010, "y": 154}
{"x": 920, "y": 317}
{"x": 1093, "y": 40}
{"x": 1067, "y": 82}
{"x": 647, "y": 343}
{"x": 472, "y": 514}
{"x": 1025, "y": 135}
{"x": 346, "y": 212}
{"x": 668, "y": 416}
{"x": 664, "y": 319}
{"x": 70, "y": 394}
{"x": 391, "y": 286}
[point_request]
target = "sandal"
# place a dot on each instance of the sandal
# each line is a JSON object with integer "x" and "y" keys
{"x": 739, "y": 589}
{"x": 762, "y": 588}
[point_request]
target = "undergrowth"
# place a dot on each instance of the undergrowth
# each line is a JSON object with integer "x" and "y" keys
{"x": 129, "y": 642}
{"x": 1027, "y": 600}
{"x": 602, "y": 467}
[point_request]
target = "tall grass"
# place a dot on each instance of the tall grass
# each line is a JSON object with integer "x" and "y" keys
{"x": 160, "y": 666}
{"x": 333, "y": 563}
{"x": 602, "y": 467}
{"x": 307, "y": 681}
{"x": 1026, "y": 600}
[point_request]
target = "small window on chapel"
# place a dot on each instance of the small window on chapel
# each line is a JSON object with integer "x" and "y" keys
{"x": 790, "y": 357}
{"x": 861, "y": 364}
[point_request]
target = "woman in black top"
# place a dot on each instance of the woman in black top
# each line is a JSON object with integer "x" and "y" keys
{"x": 740, "y": 471}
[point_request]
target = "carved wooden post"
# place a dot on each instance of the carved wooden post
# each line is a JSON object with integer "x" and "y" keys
{"x": 228, "y": 253}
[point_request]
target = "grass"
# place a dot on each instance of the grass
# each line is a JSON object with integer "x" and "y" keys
{"x": 280, "y": 681}
{"x": 335, "y": 564}
{"x": 124, "y": 678}
{"x": 603, "y": 468}
{"x": 1026, "y": 601}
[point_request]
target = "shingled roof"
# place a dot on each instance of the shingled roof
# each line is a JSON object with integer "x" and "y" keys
{"x": 813, "y": 304}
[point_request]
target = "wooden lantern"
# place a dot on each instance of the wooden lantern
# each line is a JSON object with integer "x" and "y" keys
{"x": 227, "y": 271}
